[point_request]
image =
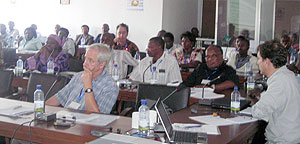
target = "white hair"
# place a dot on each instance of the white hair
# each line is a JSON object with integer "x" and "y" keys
{"x": 104, "y": 54}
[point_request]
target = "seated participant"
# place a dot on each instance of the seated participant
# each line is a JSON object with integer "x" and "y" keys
{"x": 85, "y": 38}
{"x": 158, "y": 59}
{"x": 279, "y": 105}
{"x": 238, "y": 60}
{"x": 4, "y": 37}
{"x": 31, "y": 42}
{"x": 187, "y": 56}
{"x": 57, "y": 28}
{"x": 286, "y": 42}
{"x": 213, "y": 68}
{"x": 105, "y": 29}
{"x": 294, "y": 41}
{"x": 67, "y": 44}
{"x": 120, "y": 57}
{"x": 161, "y": 33}
{"x": 195, "y": 32}
{"x": 122, "y": 43}
{"x": 13, "y": 34}
{"x": 169, "y": 40}
{"x": 93, "y": 89}
{"x": 52, "y": 50}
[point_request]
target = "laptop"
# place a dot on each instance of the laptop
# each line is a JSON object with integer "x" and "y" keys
{"x": 224, "y": 103}
{"x": 181, "y": 137}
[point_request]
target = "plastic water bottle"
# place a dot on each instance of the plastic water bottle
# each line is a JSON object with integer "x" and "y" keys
{"x": 144, "y": 120}
{"x": 292, "y": 58}
{"x": 235, "y": 101}
{"x": 250, "y": 82}
{"x": 154, "y": 75}
{"x": 50, "y": 66}
{"x": 115, "y": 73}
{"x": 137, "y": 56}
{"x": 247, "y": 68}
{"x": 19, "y": 67}
{"x": 38, "y": 102}
{"x": 162, "y": 76}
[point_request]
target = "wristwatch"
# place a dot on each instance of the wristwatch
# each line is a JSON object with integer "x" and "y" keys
{"x": 89, "y": 90}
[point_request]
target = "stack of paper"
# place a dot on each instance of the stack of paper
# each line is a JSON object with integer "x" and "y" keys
{"x": 218, "y": 121}
{"x": 208, "y": 93}
{"x": 208, "y": 129}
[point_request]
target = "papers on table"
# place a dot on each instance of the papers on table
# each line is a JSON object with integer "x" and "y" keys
{"x": 208, "y": 93}
{"x": 91, "y": 119}
{"x": 247, "y": 111}
{"x": 122, "y": 139}
{"x": 218, "y": 121}
{"x": 17, "y": 111}
{"x": 208, "y": 129}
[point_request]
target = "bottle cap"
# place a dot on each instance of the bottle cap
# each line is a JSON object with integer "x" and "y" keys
{"x": 137, "y": 52}
{"x": 38, "y": 86}
{"x": 144, "y": 102}
{"x": 115, "y": 65}
{"x": 154, "y": 68}
{"x": 236, "y": 88}
{"x": 20, "y": 57}
{"x": 251, "y": 73}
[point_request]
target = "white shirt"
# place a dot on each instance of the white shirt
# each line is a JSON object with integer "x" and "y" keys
{"x": 280, "y": 106}
{"x": 165, "y": 62}
{"x": 69, "y": 46}
{"x": 122, "y": 58}
{"x": 253, "y": 60}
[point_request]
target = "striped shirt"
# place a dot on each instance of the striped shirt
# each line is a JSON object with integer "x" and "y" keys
{"x": 104, "y": 88}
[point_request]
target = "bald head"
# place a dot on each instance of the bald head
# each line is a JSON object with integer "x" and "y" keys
{"x": 214, "y": 56}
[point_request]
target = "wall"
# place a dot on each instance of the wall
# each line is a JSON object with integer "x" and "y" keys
{"x": 179, "y": 16}
{"x": 47, "y": 13}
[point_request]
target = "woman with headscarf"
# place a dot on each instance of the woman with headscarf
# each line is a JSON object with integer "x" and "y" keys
{"x": 52, "y": 50}
{"x": 31, "y": 42}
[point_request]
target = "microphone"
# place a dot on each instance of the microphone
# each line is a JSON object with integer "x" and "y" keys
{"x": 145, "y": 71}
{"x": 58, "y": 78}
{"x": 179, "y": 88}
{"x": 208, "y": 102}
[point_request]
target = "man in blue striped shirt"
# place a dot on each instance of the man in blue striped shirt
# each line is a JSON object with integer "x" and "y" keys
{"x": 93, "y": 89}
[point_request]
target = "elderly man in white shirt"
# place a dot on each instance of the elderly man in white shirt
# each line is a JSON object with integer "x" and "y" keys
{"x": 280, "y": 104}
{"x": 157, "y": 61}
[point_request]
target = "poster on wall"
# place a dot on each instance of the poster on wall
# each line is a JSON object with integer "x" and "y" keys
{"x": 135, "y": 4}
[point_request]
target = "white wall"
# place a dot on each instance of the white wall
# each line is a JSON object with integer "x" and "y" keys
{"x": 47, "y": 13}
{"x": 179, "y": 16}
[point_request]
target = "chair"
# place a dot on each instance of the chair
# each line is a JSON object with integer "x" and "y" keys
{"x": 46, "y": 80}
{"x": 176, "y": 102}
{"x": 6, "y": 77}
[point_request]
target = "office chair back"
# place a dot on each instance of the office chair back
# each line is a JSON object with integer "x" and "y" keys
{"x": 46, "y": 80}
{"x": 177, "y": 101}
{"x": 6, "y": 77}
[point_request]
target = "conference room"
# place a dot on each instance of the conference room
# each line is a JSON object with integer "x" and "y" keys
{"x": 136, "y": 71}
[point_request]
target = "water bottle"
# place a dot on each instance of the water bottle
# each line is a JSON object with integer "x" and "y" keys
{"x": 162, "y": 76}
{"x": 115, "y": 73}
{"x": 144, "y": 120}
{"x": 19, "y": 67}
{"x": 250, "y": 82}
{"x": 154, "y": 75}
{"x": 247, "y": 68}
{"x": 235, "y": 101}
{"x": 38, "y": 102}
{"x": 50, "y": 66}
{"x": 292, "y": 58}
{"x": 137, "y": 56}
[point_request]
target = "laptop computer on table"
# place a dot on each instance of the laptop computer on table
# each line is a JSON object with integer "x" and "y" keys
{"x": 178, "y": 137}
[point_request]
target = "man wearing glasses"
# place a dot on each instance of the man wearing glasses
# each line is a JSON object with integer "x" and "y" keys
{"x": 212, "y": 69}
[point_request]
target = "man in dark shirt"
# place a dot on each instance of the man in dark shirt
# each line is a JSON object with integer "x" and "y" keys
{"x": 213, "y": 68}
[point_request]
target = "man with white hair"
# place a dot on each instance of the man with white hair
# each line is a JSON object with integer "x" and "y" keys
{"x": 93, "y": 89}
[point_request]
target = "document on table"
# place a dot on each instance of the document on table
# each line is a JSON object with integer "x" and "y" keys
{"x": 17, "y": 111}
{"x": 247, "y": 111}
{"x": 91, "y": 119}
{"x": 218, "y": 121}
{"x": 208, "y": 93}
{"x": 122, "y": 139}
{"x": 208, "y": 129}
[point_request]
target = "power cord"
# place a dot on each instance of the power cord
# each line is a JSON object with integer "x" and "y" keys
{"x": 15, "y": 131}
{"x": 30, "y": 135}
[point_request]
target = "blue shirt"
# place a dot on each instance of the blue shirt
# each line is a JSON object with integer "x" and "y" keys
{"x": 104, "y": 88}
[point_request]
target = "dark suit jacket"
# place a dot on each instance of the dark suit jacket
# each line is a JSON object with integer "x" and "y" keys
{"x": 89, "y": 40}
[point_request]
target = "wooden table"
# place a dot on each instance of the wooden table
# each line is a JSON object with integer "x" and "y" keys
{"x": 237, "y": 134}
{"x": 45, "y": 132}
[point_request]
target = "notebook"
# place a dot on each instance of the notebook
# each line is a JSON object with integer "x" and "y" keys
{"x": 224, "y": 103}
{"x": 177, "y": 136}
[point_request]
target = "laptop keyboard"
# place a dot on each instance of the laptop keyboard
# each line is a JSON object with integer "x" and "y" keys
{"x": 180, "y": 136}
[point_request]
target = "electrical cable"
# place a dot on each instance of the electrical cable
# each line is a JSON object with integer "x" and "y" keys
{"x": 15, "y": 131}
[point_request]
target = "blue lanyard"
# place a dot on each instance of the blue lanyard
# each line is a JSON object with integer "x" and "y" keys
{"x": 154, "y": 67}
{"x": 208, "y": 76}
{"x": 82, "y": 94}
{"x": 239, "y": 63}
{"x": 125, "y": 46}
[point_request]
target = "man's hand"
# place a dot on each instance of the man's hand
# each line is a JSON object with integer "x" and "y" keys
{"x": 87, "y": 78}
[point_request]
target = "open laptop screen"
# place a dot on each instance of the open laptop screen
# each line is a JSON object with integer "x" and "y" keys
{"x": 164, "y": 118}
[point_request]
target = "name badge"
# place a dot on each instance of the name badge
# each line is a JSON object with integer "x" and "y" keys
{"x": 74, "y": 105}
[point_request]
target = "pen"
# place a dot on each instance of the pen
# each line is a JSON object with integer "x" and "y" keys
{"x": 16, "y": 107}
{"x": 196, "y": 126}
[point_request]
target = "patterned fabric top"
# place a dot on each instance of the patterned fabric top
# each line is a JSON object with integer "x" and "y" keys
{"x": 183, "y": 58}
